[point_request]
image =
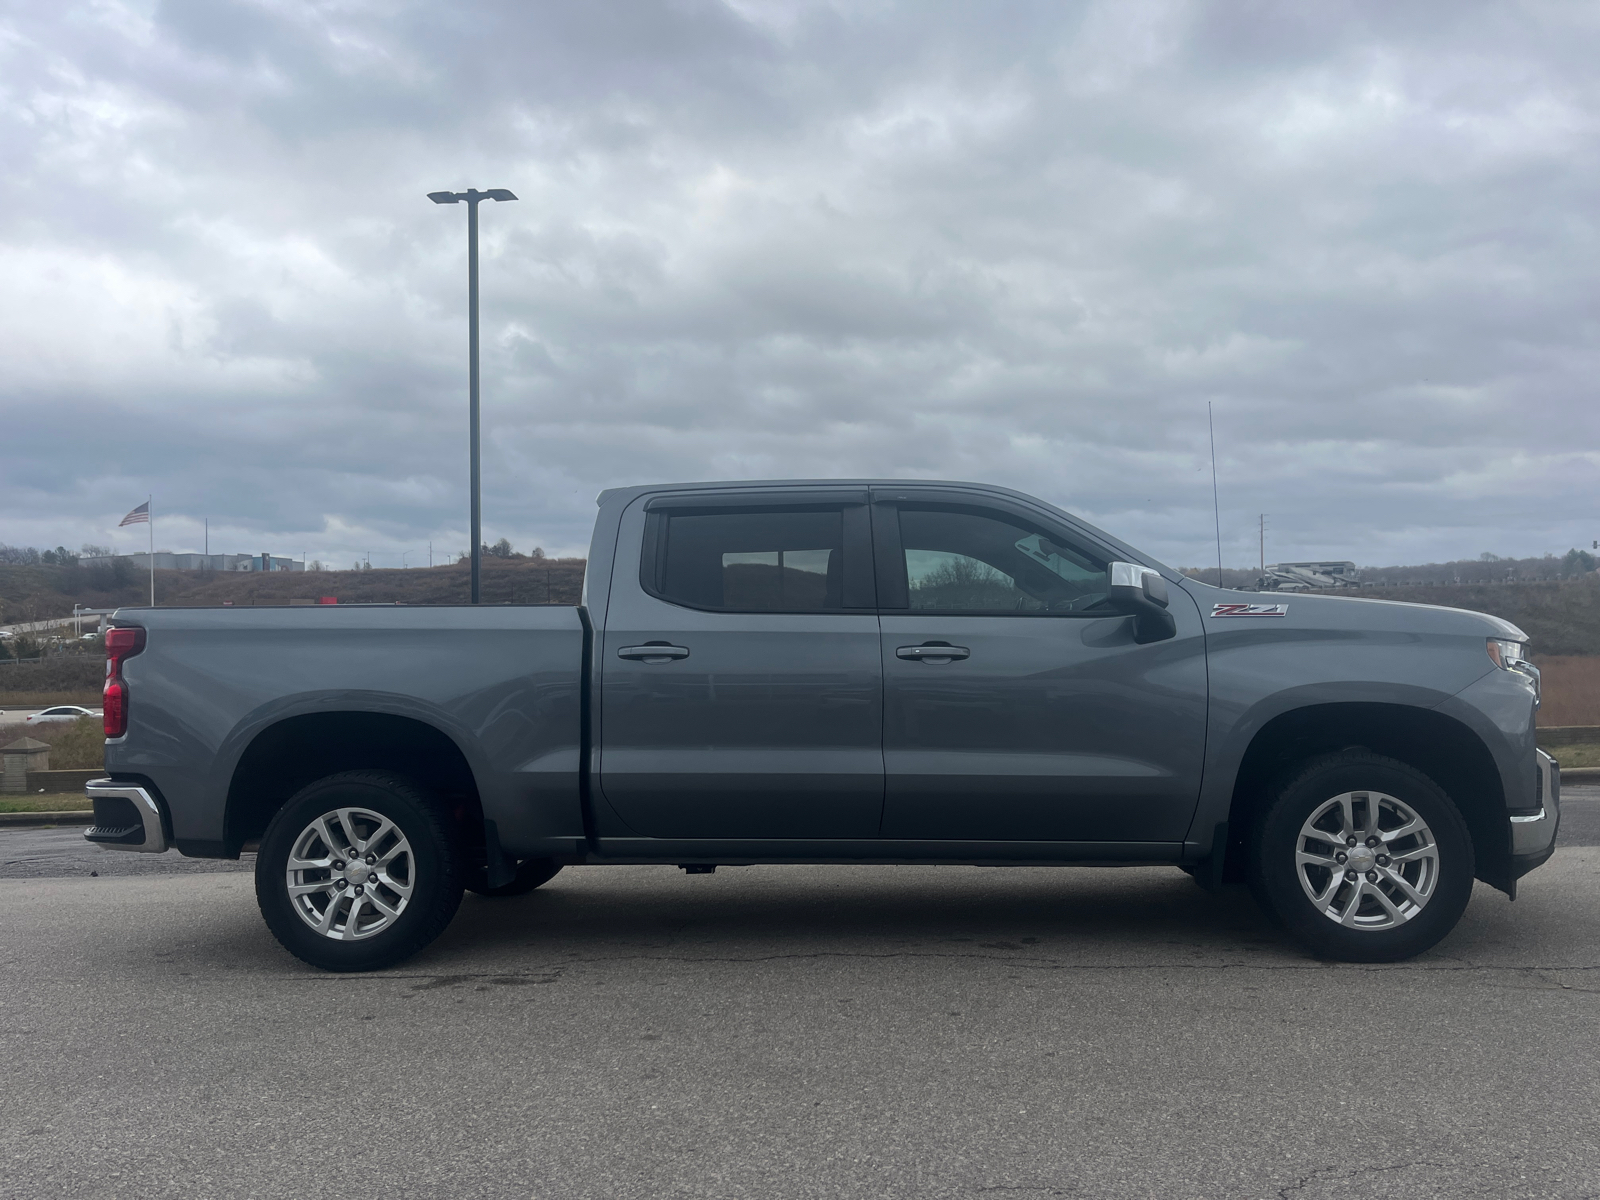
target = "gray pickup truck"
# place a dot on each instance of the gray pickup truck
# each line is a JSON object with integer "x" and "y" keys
{"x": 834, "y": 672}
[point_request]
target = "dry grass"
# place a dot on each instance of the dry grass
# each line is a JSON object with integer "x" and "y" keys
{"x": 79, "y": 746}
{"x": 1560, "y": 618}
{"x": 67, "y": 673}
{"x": 1571, "y": 689}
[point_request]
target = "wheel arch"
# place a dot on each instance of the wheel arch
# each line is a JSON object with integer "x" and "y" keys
{"x": 296, "y": 750}
{"x": 1441, "y": 747}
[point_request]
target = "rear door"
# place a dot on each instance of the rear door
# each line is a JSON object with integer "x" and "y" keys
{"x": 1017, "y": 707}
{"x": 742, "y": 682}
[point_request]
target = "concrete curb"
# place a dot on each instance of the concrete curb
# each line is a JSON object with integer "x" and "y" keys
{"x": 12, "y": 820}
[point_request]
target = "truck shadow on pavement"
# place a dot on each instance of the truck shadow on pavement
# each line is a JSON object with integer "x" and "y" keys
{"x": 1146, "y": 915}
{"x": 1143, "y": 916}
{"x": 774, "y": 910}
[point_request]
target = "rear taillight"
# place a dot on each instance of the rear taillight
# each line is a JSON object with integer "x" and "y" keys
{"x": 122, "y": 643}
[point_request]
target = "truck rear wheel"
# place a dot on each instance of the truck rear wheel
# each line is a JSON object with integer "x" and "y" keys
{"x": 1362, "y": 859}
{"x": 358, "y": 871}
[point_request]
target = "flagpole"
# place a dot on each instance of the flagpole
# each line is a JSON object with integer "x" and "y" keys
{"x": 151, "y": 509}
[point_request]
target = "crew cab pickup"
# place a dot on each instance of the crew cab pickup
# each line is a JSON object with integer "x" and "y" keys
{"x": 860, "y": 671}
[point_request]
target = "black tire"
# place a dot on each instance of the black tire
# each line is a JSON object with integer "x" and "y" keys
{"x": 531, "y": 873}
{"x": 1281, "y": 884}
{"x": 433, "y": 873}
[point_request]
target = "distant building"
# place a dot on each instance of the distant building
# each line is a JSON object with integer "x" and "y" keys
{"x": 166, "y": 561}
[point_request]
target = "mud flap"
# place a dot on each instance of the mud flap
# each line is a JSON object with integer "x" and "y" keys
{"x": 499, "y": 867}
{"x": 1209, "y": 870}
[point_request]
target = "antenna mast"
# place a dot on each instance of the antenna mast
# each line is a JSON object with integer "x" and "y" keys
{"x": 1216, "y": 505}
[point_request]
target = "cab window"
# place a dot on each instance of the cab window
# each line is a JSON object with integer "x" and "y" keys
{"x": 781, "y": 561}
{"x": 978, "y": 562}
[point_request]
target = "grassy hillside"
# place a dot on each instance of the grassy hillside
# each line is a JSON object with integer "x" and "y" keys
{"x": 39, "y": 593}
{"x": 1560, "y": 617}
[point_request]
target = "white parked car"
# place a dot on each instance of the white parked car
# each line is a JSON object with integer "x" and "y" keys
{"x": 61, "y": 712}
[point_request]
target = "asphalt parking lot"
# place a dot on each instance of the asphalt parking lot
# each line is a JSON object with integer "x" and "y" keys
{"x": 792, "y": 1031}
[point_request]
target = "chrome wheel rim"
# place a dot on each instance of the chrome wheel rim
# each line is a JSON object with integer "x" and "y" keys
{"x": 350, "y": 874}
{"x": 1367, "y": 861}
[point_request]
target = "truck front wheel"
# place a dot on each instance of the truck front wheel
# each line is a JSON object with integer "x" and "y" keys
{"x": 1362, "y": 859}
{"x": 358, "y": 871}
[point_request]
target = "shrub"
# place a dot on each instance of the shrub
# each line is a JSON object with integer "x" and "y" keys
{"x": 80, "y": 746}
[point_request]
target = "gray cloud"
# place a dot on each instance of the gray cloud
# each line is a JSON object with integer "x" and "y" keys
{"x": 1024, "y": 243}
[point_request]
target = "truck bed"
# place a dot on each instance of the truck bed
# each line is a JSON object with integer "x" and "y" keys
{"x": 502, "y": 683}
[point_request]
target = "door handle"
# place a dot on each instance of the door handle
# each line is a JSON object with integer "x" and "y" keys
{"x": 932, "y": 652}
{"x": 657, "y": 652}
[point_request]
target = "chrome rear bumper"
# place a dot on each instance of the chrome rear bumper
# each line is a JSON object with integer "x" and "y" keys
{"x": 127, "y": 817}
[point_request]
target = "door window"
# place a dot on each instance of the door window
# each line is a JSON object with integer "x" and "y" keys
{"x": 982, "y": 562}
{"x": 786, "y": 561}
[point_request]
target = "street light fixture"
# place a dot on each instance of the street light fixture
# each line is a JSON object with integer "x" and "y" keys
{"x": 473, "y": 198}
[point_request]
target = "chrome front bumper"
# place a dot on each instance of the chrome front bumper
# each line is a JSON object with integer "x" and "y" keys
{"x": 1534, "y": 834}
{"x": 127, "y": 817}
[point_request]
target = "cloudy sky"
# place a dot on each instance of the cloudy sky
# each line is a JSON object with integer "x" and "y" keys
{"x": 1024, "y": 243}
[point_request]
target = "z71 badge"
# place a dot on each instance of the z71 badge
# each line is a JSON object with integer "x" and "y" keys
{"x": 1249, "y": 610}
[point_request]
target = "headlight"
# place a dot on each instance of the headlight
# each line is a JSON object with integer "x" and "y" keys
{"x": 1505, "y": 654}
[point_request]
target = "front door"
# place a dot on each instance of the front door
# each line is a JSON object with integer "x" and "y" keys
{"x": 742, "y": 686}
{"x": 1017, "y": 705}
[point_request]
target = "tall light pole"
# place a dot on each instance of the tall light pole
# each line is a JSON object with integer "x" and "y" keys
{"x": 473, "y": 197}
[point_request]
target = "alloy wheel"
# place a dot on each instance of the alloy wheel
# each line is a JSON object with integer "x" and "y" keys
{"x": 1367, "y": 861}
{"x": 350, "y": 874}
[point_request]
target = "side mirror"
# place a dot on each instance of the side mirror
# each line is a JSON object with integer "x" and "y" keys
{"x": 1142, "y": 593}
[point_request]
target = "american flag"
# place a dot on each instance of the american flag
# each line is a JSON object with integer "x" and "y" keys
{"x": 142, "y": 513}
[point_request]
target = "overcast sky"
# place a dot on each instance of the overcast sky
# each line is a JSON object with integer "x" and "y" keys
{"x": 1010, "y": 242}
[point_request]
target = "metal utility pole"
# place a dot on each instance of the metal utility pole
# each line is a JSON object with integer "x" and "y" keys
{"x": 1263, "y": 543}
{"x": 473, "y": 197}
